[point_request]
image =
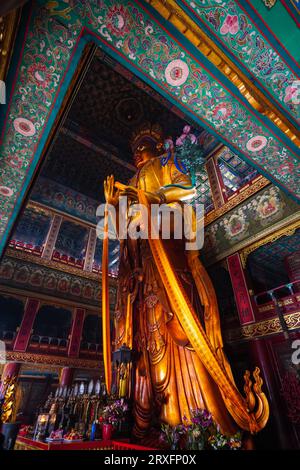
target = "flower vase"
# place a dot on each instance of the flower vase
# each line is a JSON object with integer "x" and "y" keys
{"x": 107, "y": 431}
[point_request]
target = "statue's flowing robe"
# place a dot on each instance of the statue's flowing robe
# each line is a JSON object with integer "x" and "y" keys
{"x": 170, "y": 379}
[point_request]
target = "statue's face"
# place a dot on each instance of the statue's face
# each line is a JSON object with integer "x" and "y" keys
{"x": 143, "y": 153}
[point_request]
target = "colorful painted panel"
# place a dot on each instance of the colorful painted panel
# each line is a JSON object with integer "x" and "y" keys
{"x": 235, "y": 171}
{"x": 208, "y": 142}
{"x": 59, "y": 197}
{"x": 259, "y": 212}
{"x": 203, "y": 191}
{"x": 32, "y": 277}
{"x": 231, "y": 25}
{"x": 52, "y": 44}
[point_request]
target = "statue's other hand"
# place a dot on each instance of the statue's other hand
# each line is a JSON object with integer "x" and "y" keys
{"x": 131, "y": 193}
{"x": 110, "y": 192}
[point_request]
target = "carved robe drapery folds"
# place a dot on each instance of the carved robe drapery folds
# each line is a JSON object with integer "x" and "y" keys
{"x": 167, "y": 312}
{"x": 168, "y": 373}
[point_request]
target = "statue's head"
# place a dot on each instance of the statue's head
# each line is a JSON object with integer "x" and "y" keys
{"x": 146, "y": 143}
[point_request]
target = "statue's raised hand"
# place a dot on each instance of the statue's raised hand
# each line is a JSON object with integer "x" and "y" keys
{"x": 110, "y": 192}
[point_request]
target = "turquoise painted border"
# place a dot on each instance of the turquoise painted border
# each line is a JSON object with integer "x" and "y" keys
{"x": 238, "y": 63}
{"x": 271, "y": 38}
{"x": 73, "y": 63}
{"x": 12, "y": 71}
{"x": 181, "y": 39}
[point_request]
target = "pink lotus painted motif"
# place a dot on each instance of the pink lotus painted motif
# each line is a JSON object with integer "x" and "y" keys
{"x": 230, "y": 25}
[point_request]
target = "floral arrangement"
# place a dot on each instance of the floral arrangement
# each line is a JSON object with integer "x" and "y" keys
{"x": 115, "y": 412}
{"x": 200, "y": 433}
{"x": 188, "y": 153}
{"x": 171, "y": 435}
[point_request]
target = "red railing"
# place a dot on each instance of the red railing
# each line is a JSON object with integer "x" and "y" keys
{"x": 27, "y": 247}
{"x": 30, "y": 444}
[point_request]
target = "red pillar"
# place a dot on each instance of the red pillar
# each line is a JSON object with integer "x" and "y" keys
{"x": 240, "y": 289}
{"x": 23, "y": 336}
{"x": 262, "y": 357}
{"x": 75, "y": 337}
{"x": 66, "y": 377}
{"x": 11, "y": 369}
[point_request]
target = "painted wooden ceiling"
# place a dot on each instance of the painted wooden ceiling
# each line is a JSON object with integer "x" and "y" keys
{"x": 112, "y": 103}
{"x": 109, "y": 105}
{"x": 234, "y": 28}
{"x": 52, "y": 38}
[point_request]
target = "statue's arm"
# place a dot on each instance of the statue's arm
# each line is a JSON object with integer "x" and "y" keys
{"x": 180, "y": 189}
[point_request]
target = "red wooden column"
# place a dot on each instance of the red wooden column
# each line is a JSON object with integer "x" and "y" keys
{"x": 217, "y": 187}
{"x": 23, "y": 336}
{"x": 66, "y": 377}
{"x": 11, "y": 369}
{"x": 261, "y": 355}
{"x": 76, "y": 332}
{"x": 240, "y": 289}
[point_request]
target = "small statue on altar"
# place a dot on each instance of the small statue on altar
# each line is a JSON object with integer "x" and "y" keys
{"x": 167, "y": 310}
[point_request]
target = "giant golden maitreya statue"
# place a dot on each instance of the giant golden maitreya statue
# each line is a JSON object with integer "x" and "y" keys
{"x": 167, "y": 311}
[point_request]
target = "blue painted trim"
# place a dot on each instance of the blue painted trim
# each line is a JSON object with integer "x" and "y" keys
{"x": 68, "y": 77}
{"x": 238, "y": 63}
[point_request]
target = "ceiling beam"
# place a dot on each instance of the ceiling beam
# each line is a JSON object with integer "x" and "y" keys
{"x": 170, "y": 11}
{"x": 90, "y": 143}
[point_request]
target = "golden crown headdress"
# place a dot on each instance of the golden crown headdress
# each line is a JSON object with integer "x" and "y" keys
{"x": 149, "y": 131}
